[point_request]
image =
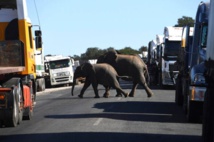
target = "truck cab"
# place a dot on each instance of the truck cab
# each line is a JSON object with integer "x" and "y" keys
{"x": 196, "y": 83}
{"x": 17, "y": 62}
{"x": 60, "y": 70}
{"x": 208, "y": 111}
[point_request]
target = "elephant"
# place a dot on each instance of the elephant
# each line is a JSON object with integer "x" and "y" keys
{"x": 96, "y": 74}
{"x": 128, "y": 65}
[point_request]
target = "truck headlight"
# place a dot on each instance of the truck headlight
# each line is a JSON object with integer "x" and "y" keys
{"x": 199, "y": 79}
{"x": 54, "y": 75}
{"x": 67, "y": 73}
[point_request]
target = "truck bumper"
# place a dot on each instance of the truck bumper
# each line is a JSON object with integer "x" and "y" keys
{"x": 61, "y": 80}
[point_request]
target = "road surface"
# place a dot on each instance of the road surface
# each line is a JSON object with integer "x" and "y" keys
{"x": 60, "y": 117}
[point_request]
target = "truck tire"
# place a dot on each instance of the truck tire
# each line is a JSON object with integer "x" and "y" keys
{"x": 192, "y": 115}
{"x": 185, "y": 88}
{"x": 41, "y": 84}
{"x": 28, "y": 113}
{"x": 208, "y": 116}
{"x": 20, "y": 101}
{"x": 160, "y": 80}
{"x": 13, "y": 115}
{"x": 178, "y": 92}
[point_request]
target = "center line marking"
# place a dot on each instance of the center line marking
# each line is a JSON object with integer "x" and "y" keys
{"x": 98, "y": 121}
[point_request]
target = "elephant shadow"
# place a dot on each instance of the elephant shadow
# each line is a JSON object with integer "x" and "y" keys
{"x": 132, "y": 111}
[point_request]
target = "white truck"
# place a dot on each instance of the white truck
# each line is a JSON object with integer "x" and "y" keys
{"x": 60, "y": 70}
{"x": 169, "y": 53}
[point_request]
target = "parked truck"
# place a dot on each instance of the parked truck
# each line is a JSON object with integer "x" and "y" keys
{"x": 191, "y": 83}
{"x": 17, "y": 63}
{"x": 40, "y": 71}
{"x": 151, "y": 62}
{"x": 163, "y": 55}
{"x": 208, "y": 110}
{"x": 59, "y": 69}
{"x": 168, "y": 55}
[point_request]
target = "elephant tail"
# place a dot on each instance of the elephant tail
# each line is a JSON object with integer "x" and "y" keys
{"x": 126, "y": 78}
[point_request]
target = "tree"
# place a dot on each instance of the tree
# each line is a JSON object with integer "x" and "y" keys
{"x": 143, "y": 48}
{"x": 128, "y": 50}
{"x": 185, "y": 20}
{"x": 76, "y": 57}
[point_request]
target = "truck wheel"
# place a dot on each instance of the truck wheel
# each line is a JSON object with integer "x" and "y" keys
{"x": 178, "y": 92}
{"x": 185, "y": 92}
{"x": 13, "y": 115}
{"x": 29, "y": 114}
{"x": 207, "y": 129}
{"x": 160, "y": 80}
{"x": 20, "y": 100}
{"x": 191, "y": 115}
{"x": 41, "y": 84}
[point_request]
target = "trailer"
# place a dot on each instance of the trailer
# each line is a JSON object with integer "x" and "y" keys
{"x": 208, "y": 110}
{"x": 17, "y": 63}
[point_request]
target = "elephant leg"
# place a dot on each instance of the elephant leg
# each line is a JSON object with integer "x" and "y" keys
{"x": 118, "y": 94}
{"x": 119, "y": 90}
{"x": 148, "y": 90}
{"x": 86, "y": 85}
{"x": 132, "y": 93}
{"x": 106, "y": 94}
{"x": 94, "y": 85}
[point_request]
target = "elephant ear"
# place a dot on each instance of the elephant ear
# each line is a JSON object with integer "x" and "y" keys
{"x": 110, "y": 56}
{"x": 86, "y": 68}
{"x": 101, "y": 59}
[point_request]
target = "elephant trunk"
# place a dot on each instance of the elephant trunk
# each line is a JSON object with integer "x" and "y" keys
{"x": 73, "y": 85}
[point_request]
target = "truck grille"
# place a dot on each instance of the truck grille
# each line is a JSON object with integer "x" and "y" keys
{"x": 62, "y": 79}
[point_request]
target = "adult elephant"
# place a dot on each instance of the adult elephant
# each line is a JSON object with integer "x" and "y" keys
{"x": 128, "y": 65}
{"x": 96, "y": 74}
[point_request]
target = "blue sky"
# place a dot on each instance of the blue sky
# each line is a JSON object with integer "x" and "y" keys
{"x": 71, "y": 26}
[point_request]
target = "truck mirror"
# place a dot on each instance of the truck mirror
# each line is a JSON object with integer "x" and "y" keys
{"x": 38, "y": 33}
{"x": 38, "y": 42}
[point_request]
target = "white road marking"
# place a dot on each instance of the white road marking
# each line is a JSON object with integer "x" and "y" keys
{"x": 98, "y": 121}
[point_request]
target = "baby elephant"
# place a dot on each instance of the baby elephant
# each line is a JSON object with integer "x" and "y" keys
{"x": 96, "y": 74}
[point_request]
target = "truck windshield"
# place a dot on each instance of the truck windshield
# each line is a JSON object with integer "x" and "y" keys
{"x": 204, "y": 30}
{"x": 60, "y": 64}
{"x": 171, "y": 49}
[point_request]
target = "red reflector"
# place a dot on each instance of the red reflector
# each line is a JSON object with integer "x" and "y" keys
{"x": 2, "y": 97}
{"x": 5, "y": 89}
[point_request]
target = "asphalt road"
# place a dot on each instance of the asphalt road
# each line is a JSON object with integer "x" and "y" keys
{"x": 60, "y": 117}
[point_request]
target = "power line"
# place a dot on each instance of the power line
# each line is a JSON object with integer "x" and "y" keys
{"x": 37, "y": 14}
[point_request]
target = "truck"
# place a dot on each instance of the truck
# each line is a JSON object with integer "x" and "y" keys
{"x": 59, "y": 70}
{"x": 17, "y": 63}
{"x": 191, "y": 84}
{"x": 208, "y": 111}
{"x": 40, "y": 71}
{"x": 151, "y": 62}
{"x": 163, "y": 55}
{"x": 168, "y": 52}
